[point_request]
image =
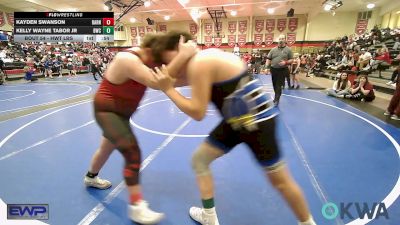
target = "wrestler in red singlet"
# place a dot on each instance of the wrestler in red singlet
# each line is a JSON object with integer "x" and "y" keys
{"x": 117, "y": 98}
{"x": 122, "y": 99}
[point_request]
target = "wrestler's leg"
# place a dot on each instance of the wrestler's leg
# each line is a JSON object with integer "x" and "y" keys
{"x": 201, "y": 160}
{"x": 117, "y": 129}
{"x": 98, "y": 160}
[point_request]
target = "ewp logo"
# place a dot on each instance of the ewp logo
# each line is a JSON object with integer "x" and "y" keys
{"x": 330, "y": 210}
{"x": 28, "y": 211}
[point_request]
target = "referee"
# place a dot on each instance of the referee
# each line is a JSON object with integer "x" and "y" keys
{"x": 279, "y": 58}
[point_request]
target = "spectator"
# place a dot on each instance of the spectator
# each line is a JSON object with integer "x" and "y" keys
{"x": 303, "y": 64}
{"x": 247, "y": 58}
{"x": 344, "y": 62}
{"x": 258, "y": 61}
{"x": 57, "y": 67}
{"x": 236, "y": 50}
{"x": 393, "y": 109}
{"x": 2, "y": 77}
{"x": 29, "y": 74}
{"x": 364, "y": 59}
{"x": 294, "y": 70}
{"x": 48, "y": 64}
{"x": 395, "y": 74}
{"x": 311, "y": 63}
{"x": 361, "y": 90}
{"x": 95, "y": 69}
{"x": 397, "y": 58}
{"x": 356, "y": 56}
{"x": 1, "y": 64}
{"x": 252, "y": 63}
{"x": 71, "y": 68}
{"x": 340, "y": 87}
{"x": 384, "y": 56}
{"x": 382, "y": 59}
{"x": 396, "y": 44}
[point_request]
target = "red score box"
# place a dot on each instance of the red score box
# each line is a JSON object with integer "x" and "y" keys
{"x": 108, "y": 21}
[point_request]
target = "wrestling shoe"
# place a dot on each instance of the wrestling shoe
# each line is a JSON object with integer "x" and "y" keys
{"x": 199, "y": 215}
{"x": 140, "y": 213}
{"x": 97, "y": 182}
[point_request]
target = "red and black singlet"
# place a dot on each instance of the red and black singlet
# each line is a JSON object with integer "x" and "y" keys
{"x": 122, "y": 99}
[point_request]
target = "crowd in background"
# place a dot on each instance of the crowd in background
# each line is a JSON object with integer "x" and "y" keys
{"x": 360, "y": 54}
{"x": 365, "y": 52}
{"x": 50, "y": 59}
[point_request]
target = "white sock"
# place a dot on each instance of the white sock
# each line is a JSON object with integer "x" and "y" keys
{"x": 211, "y": 214}
{"x": 308, "y": 222}
{"x": 210, "y": 211}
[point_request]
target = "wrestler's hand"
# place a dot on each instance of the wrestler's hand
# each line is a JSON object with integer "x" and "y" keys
{"x": 163, "y": 80}
{"x": 187, "y": 49}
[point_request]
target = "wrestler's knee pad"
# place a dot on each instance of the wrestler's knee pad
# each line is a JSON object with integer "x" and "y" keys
{"x": 131, "y": 153}
{"x": 127, "y": 145}
{"x": 201, "y": 161}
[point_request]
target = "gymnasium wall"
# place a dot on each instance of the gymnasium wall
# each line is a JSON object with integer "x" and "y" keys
{"x": 391, "y": 19}
{"x": 134, "y": 32}
{"x": 204, "y": 32}
{"x": 324, "y": 26}
{"x": 320, "y": 28}
{"x": 6, "y": 15}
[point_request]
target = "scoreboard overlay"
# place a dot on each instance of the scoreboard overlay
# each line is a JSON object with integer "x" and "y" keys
{"x": 63, "y": 26}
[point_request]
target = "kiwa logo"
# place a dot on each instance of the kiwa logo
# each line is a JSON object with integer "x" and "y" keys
{"x": 354, "y": 210}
